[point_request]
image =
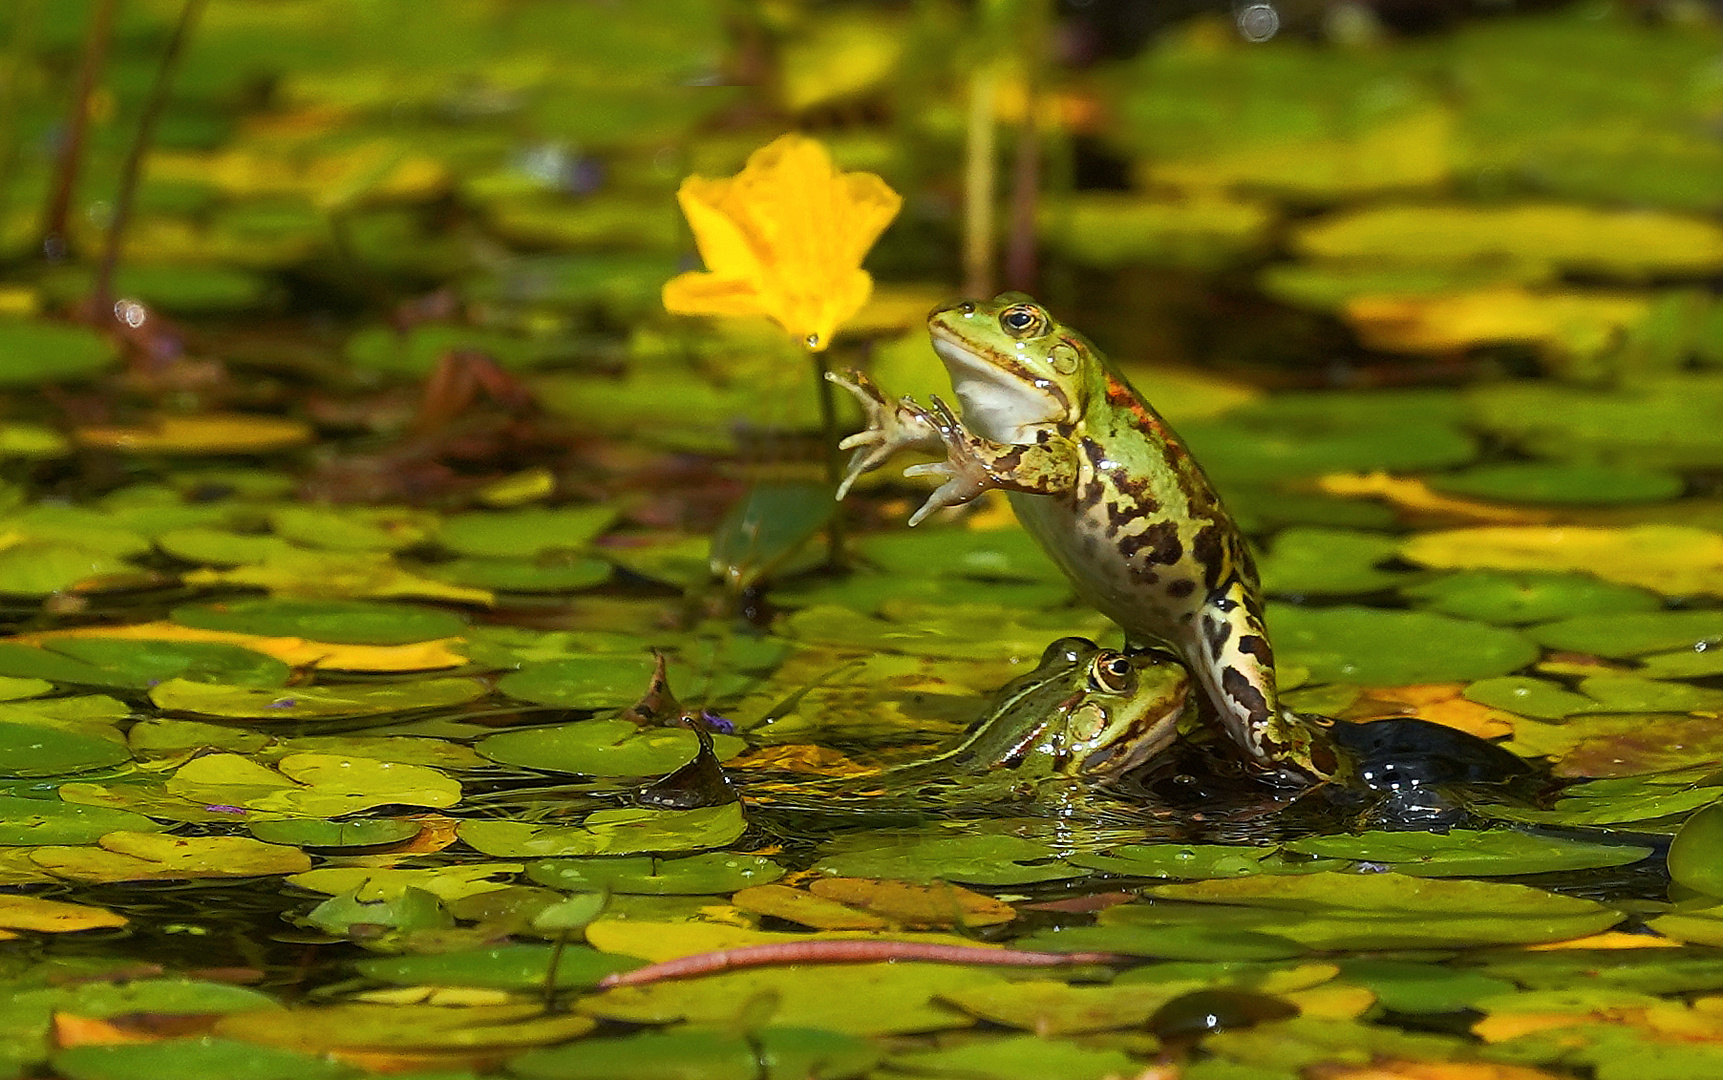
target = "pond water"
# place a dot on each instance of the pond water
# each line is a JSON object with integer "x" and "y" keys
{"x": 337, "y": 564}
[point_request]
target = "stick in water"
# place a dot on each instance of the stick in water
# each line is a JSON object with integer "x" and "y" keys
{"x": 844, "y": 952}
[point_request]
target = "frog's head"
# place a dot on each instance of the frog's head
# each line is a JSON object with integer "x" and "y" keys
{"x": 1013, "y": 366}
{"x": 1084, "y": 711}
{"x": 1129, "y": 714}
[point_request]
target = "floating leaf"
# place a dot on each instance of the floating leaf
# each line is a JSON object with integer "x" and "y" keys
{"x": 770, "y": 1053}
{"x": 1634, "y": 633}
{"x": 1694, "y": 853}
{"x": 1394, "y": 648}
{"x": 140, "y": 663}
{"x": 1552, "y": 482}
{"x": 133, "y": 856}
{"x": 1460, "y": 853}
{"x": 53, "y": 916}
{"x": 1674, "y": 560}
{"x": 311, "y": 785}
{"x": 1529, "y": 696}
{"x": 519, "y": 575}
{"x": 193, "y": 1057}
{"x": 1022, "y": 1057}
{"x": 410, "y": 1028}
{"x": 580, "y": 682}
{"x": 714, "y": 872}
{"x": 604, "y": 748}
{"x": 612, "y": 832}
{"x": 41, "y": 352}
{"x": 324, "y": 833}
{"x": 1307, "y": 560}
{"x": 1565, "y": 324}
{"x": 1203, "y": 232}
{"x": 203, "y": 433}
{"x": 977, "y": 858}
{"x": 41, "y": 750}
{"x": 32, "y": 822}
{"x": 313, "y": 702}
{"x": 1511, "y": 599}
{"x": 344, "y": 622}
{"x": 504, "y": 967}
{"x": 524, "y": 534}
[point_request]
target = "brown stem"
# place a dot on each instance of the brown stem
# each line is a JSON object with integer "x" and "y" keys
{"x": 133, "y": 169}
{"x": 829, "y": 440}
{"x": 978, "y": 186}
{"x": 852, "y": 951}
{"x": 26, "y": 21}
{"x": 54, "y": 240}
{"x": 1025, "y": 196}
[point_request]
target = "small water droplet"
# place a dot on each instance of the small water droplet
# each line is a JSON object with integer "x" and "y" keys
{"x": 812, "y": 341}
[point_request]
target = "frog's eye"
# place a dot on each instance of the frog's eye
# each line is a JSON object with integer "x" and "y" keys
{"x": 1112, "y": 673}
{"x": 1021, "y": 320}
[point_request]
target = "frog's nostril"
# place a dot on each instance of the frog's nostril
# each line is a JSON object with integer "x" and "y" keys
{"x": 967, "y": 307}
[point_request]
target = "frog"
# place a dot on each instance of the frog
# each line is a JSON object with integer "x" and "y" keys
{"x": 1111, "y": 493}
{"x": 1083, "y": 717}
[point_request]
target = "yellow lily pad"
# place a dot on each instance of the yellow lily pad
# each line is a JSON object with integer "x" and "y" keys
{"x": 54, "y": 916}
{"x": 1675, "y": 560}
{"x": 204, "y": 433}
{"x": 132, "y": 856}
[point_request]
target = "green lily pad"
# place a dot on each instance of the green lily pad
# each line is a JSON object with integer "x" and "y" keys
{"x": 1629, "y": 694}
{"x": 313, "y": 702}
{"x": 351, "y": 528}
{"x": 1553, "y": 482}
{"x": 13, "y": 688}
{"x": 1692, "y": 663}
{"x": 1019, "y": 1057}
{"x": 1239, "y": 449}
{"x": 1696, "y": 853}
{"x": 1528, "y": 695}
{"x": 1318, "y": 561}
{"x": 43, "y": 750}
{"x": 1394, "y": 648}
{"x": 29, "y": 822}
{"x": 608, "y": 832}
{"x": 604, "y": 748}
{"x": 1512, "y": 599}
{"x": 40, "y": 352}
{"x": 977, "y": 554}
{"x": 1389, "y": 910}
{"x": 140, "y": 663}
{"x": 310, "y": 785}
{"x": 524, "y": 534}
{"x": 220, "y": 547}
{"x": 29, "y": 662}
{"x": 580, "y": 682}
{"x": 1187, "y": 941}
{"x": 522, "y": 575}
{"x": 352, "y": 622}
{"x": 325, "y": 833}
{"x": 1409, "y": 987}
{"x": 1613, "y": 810}
{"x": 713, "y": 872}
{"x": 1660, "y": 422}
{"x": 1185, "y": 860}
{"x": 772, "y": 1053}
{"x": 1463, "y": 853}
{"x": 975, "y": 859}
{"x": 40, "y": 567}
{"x": 501, "y": 967}
{"x": 206, "y": 1056}
{"x": 1633, "y": 633}
{"x": 406, "y": 910}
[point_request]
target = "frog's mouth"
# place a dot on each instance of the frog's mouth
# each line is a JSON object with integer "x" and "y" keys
{"x": 1001, "y": 400}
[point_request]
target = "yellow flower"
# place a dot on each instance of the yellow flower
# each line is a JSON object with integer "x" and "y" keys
{"x": 784, "y": 238}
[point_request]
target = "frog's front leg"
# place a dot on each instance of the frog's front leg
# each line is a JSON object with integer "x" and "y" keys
{"x": 973, "y": 464}
{"x": 890, "y": 428}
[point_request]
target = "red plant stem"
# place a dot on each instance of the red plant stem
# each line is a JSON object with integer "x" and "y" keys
{"x": 95, "y": 56}
{"x": 860, "y": 951}
{"x": 133, "y": 169}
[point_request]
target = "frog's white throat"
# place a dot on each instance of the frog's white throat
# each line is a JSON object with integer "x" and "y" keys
{"x": 998, "y": 403}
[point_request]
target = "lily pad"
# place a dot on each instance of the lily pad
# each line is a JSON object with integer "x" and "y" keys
{"x": 771, "y": 1053}
{"x": 30, "y": 822}
{"x": 1020, "y": 1057}
{"x": 341, "y": 621}
{"x": 229, "y": 1059}
{"x": 604, "y": 748}
{"x": 1696, "y": 853}
{"x": 580, "y": 682}
{"x": 522, "y": 575}
{"x": 1461, "y": 853}
{"x": 1318, "y": 561}
{"x": 501, "y": 967}
{"x": 608, "y": 832}
{"x": 714, "y": 872}
{"x": 1634, "y": 633}
{"x": 975, "y": 859}
{"x": 40, "y": 352}
{"x": 1552, "y": 482}
{"x": 44, "y": 750}
{"x": 1394, "y": 648}
{"x": 141, "y": 663}
{"x": 325, "y": 833}
{"x": 1528, "y": 695}
{"x": 1512, "y": 599}
{"x": 524, "y": 534}
{"x": 313, "y": 702}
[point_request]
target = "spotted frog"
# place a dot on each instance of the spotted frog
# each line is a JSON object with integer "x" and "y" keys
{"x": 1084, "y": 713}
{"x": 1112, "y": 495}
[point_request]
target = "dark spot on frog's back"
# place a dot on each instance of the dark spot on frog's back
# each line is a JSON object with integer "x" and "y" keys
{"x": 1215, "y": 632}
{"x": 1240, "y": 690}
{"x": 1257, "y": 646}
{"x": 1182, "y": 588}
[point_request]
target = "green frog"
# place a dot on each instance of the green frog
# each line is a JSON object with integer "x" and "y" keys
{"x": 1083, "y": 713}
{"x": 1111, "y": 494}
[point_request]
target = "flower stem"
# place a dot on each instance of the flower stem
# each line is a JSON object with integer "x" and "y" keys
{"x": 829, "y": 444}
{"x": 63, "y": 189}
{"x": 978, "y": 186}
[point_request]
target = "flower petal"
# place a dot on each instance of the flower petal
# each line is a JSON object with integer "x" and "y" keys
{"x": 695, "y": 293}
